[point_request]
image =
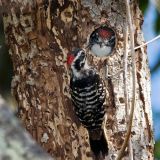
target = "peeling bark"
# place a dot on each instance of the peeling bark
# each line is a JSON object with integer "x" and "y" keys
{"x": 39, "y": 35}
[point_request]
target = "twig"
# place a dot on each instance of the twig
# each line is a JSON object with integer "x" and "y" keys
{"x": 125, "y": 71}
{"x": 124, "y": 145}
{"x": 152, "y": 40}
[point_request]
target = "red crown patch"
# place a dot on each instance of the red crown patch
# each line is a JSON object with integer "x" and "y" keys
{"x": 70, "y": 58}
{"x": 104, "y": 33}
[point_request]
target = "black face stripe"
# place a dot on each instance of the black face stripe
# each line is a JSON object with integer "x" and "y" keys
{"x": 79, "y": 61}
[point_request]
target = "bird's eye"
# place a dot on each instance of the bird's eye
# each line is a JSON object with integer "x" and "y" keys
{"x": 82, "y": 54}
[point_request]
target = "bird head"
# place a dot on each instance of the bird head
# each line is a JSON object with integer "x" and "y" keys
{"x": 102, "y": 41}
{"x": 76, "y": 59}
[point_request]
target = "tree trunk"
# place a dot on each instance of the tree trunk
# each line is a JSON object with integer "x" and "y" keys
{"x": 15, "y": 143}
{"x": 39, "y": 34}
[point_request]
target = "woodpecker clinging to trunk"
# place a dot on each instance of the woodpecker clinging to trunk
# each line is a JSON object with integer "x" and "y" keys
{"x": 88, "y": 97}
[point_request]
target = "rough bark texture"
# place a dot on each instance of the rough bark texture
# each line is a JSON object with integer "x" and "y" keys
{"x": 15, "y": 142}
{"x": 39, "y": 34}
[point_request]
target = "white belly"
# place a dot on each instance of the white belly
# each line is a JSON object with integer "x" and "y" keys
{"x": 101, "y": 51}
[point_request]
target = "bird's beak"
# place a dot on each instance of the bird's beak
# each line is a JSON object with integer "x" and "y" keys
{"x": 88, "y": 46}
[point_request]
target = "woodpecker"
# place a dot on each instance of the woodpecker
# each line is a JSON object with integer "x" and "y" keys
{"x": 102, "y": 41}
{"x": 88, "y": 97}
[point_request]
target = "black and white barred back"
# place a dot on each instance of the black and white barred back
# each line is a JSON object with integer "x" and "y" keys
{"x": 88, "y": 96}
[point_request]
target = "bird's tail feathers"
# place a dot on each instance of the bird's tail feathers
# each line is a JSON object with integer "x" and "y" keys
{"x": 98, "y": 143}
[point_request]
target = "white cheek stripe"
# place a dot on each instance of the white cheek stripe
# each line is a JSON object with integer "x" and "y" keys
{"x": 76, "y": 73}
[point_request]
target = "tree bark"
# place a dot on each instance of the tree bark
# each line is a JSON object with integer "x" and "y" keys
{"x": 39, "y": 34}
{"x": 15, "y": 143}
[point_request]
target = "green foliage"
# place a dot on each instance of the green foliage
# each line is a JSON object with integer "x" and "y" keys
{"x": 157, "y": 150}
{"x": 157, "y": 30}
{"x": 143, "y": 4}
{"x": 157, "y": 22}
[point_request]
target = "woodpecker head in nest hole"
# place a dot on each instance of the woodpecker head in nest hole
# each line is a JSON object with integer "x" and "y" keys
{"x": 102, "y": 41}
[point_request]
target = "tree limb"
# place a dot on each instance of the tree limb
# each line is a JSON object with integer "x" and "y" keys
{"x": 15, "y": 142}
